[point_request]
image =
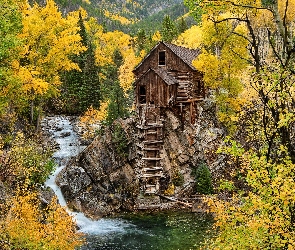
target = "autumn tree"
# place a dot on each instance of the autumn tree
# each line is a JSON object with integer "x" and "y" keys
{"x": 117, "y": 57}
{"x": 258, "y": 36}
{"x": 10, "y": 26}
{"x": 50, "y": 39}
{"x": 25, "y": 222}
{"x": 262, "y": 216}
{"x": 27, "y": 226}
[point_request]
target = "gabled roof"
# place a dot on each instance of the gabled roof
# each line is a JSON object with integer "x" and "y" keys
{"x": 187, "y": 55}
{"x": 162, "y": 73}
{"x": 170, "y": 80}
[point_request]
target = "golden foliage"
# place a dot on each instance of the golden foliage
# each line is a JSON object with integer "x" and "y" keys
{"x": 191, "y": 38}
{"x": 106, "y": 44}
{"x": 27, "y": 163}
{"x": 126, "y": 76}
{"x": 92, "y": 118}
{"x": 116, "y": 17}
{"x": 157, "y": 36}
{"x": 92, "y": 115}
{"x": 223, "y": 62}
{"x": 49, "y": 41}
{"x": 26, "y": 226}
{"x": 170, "y": 190}
{"x": 262, "y": 219}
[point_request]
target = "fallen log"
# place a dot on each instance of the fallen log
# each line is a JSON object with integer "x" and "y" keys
{"x": 190, "y": 205}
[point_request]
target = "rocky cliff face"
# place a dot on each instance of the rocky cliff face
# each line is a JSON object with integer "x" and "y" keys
{"x": 104, "y": 178}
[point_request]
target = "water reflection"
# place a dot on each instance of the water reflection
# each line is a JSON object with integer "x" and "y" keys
{"x": 165, "y": 231}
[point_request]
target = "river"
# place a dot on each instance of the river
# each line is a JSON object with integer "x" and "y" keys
{"x": 141, "y": 231}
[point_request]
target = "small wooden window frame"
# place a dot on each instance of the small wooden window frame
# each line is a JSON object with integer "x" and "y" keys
{"x": 142, "y": 94}
{"x": 162, "y": 58}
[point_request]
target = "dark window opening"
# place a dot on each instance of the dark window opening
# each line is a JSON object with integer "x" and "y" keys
{"x": 142, "y": 94}
{"x": 162, "y": 58}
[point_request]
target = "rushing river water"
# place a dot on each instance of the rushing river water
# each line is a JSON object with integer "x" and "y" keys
{"x": 165, "y": 231}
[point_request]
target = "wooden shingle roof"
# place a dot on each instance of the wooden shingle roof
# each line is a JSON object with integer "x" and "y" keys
{"x": 187, "y": 55}
{"x": 170, "y": 80}
{"x": 162, "y": 73}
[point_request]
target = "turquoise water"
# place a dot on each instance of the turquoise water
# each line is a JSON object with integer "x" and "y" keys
{"x": 157, "y": 231}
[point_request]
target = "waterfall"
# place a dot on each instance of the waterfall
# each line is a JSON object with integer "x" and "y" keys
{"x": 62, "y": 132}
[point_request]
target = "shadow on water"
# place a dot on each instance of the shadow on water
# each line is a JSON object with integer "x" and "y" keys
{"x": 165, "y": 231}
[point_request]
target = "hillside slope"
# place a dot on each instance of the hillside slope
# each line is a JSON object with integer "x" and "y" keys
{"x": 128, "y": 16}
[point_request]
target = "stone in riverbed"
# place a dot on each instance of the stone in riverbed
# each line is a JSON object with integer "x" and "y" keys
{"x": 65, "y": 134}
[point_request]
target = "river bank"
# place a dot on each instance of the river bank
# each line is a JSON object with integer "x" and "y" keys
{"x": 137, "y": 230}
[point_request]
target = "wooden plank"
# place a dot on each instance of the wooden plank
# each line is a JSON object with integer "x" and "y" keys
{"x": 152, "y": 142}
{"x": 150, "y": 149}
{"x": 190, "y": 205}
{"x": 155, "y": 124}
{"x": 194, "y": 100}
{"x": 151, "y": 159}
{"x": 153, "y": 169}
{"x": 151, "y": 132}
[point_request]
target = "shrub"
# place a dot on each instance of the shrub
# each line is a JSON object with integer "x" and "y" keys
{"x": 120, "y": 140}
{"x": 203, "y": 179}
{"x": 28, "y": 227}
{"x": 177, "y": 178}
{"x": 27, "y": 163}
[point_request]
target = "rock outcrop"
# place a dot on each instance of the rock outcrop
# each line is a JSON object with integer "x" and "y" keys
{"x": 105, "y": 177}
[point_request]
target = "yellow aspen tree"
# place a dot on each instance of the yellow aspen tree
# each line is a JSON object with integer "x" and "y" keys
{"x": 192, "y": 38}
{"x": 26, "y": 226}
{"x": 126, "y": 76}
{"x": 260, "y": 216}
{"x": 222, "y": 61}
{"x": 10, "y": 26}
{"x": 49, "y": 40}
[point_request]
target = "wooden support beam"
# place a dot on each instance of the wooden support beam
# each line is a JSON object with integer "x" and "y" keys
{"x": 151, "y": 149}
{"x": 152, "y": 142}
{"x": 151, "y": 158}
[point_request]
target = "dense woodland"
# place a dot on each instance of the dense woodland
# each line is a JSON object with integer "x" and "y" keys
{"x": 77, "y": 58}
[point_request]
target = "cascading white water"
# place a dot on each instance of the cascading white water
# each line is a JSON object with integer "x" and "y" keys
{"x": 61, "y": 131}
{"x": 141, "y": 233}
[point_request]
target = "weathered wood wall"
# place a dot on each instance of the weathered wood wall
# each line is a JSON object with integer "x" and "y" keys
{"x": 173, "y": 62}
{"x": 157, "y": 91}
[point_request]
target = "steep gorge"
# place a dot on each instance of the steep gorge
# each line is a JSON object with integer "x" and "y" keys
{"x": 105, "y": 177}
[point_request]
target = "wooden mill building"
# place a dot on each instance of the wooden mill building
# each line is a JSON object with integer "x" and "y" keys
{"x": 165, "y": 79}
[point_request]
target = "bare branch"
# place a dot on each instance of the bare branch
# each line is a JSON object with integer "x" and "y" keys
{"x": 238, "y": 34}
{"x": 228, "y": 19}
{"x": 242, "y": 5}
{"x": 245, "y": 59}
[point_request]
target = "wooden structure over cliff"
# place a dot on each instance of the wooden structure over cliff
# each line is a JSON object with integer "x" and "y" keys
{"x": 165, "y": 79}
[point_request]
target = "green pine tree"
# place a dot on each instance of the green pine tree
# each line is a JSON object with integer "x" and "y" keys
{"x": 118, "y": 102}
{"x": 169, "y": 31}
{"x": 81, "y": 89}
{"x": 182, "y": 26}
